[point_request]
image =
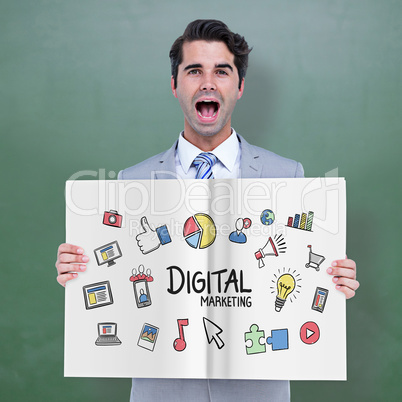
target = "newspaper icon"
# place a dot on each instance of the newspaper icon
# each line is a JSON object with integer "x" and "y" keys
{"x": 97, "y": 295}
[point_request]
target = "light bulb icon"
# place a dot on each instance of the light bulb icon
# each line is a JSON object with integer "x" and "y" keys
{"x": 285, "y": 286}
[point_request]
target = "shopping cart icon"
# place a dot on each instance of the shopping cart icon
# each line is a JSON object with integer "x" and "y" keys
{"x": 315, "y": 260}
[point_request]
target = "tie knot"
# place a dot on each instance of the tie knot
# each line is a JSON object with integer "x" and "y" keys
{"x": 204, "y": 162}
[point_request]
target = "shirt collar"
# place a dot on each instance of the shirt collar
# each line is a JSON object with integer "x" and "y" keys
{"x": 225, "y": 152}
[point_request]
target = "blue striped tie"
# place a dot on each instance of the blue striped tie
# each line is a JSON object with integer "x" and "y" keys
{"x": 204, "y": 162}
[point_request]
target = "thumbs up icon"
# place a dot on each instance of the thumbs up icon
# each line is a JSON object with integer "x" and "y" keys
{"x": 150, "y": 239}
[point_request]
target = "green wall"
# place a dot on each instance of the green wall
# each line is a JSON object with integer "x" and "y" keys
{"x": 85, "y": 85}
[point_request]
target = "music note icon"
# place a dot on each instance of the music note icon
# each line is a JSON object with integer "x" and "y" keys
{"x": 180, "y": 344}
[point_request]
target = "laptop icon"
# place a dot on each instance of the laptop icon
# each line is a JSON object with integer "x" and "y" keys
{"x": 107, "y": 334}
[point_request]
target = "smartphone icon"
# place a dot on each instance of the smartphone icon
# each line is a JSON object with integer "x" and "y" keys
{"x": 141, "y": 293}
{"x": 320, "y": 298}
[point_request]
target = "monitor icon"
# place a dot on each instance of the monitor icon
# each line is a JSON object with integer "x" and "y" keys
{"x": 108, "y": 253}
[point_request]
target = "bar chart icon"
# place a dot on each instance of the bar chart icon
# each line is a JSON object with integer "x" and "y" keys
{"x": 303, "y": 221}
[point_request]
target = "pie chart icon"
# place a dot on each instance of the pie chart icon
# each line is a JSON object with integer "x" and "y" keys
{"x": 199, "y": 231}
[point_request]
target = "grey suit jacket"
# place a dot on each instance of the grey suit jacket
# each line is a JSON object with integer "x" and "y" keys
{"x": 255, "y": 163}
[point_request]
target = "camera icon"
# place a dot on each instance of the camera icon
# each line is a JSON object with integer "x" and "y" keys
{"x": 112, "y": 218}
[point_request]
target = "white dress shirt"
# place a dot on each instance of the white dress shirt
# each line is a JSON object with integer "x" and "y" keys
{"x": 228, "y": 154}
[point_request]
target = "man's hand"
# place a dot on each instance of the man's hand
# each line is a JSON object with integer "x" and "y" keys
{"x": 344, "y": 272}
{"x": 70, "y": 260}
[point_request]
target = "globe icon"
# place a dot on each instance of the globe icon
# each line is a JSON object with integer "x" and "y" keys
{"x": 267, "y": 217}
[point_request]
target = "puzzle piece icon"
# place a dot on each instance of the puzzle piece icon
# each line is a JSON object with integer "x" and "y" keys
{"x": 278, "y": 339}
{"x": 254, "y": 336}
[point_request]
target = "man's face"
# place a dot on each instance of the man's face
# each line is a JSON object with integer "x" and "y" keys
{"x": 207, "y": 88}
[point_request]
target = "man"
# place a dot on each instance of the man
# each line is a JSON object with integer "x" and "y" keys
{"x": 209, "y": 63}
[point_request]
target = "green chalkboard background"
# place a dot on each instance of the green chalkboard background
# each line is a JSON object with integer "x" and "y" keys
{"x": 85, "y": 85}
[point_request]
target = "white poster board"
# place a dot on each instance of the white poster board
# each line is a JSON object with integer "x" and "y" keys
{"x": 207, "y": 279}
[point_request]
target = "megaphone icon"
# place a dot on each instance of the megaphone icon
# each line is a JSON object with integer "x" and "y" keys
{"x": 272, "y": 247}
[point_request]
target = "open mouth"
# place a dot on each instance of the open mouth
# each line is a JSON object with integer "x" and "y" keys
{"x": 207, "y": 109}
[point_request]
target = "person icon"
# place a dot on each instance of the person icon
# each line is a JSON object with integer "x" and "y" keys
{"x": 238, "y": 236}
{"x": 143, "y": 296}
{"x": 141, "y": 274}
{"x": 149, "y": 277}
{"x": 133, "y": 276}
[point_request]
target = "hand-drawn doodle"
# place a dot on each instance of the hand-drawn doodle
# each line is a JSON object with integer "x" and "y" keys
{"x": 147, "y": 241}
{"x": 148, "y": 337}
{"x": 212, "y": 332}
{"x": 267, "y": 217}
{"x": 238, "y": 236}
{"x": 320, "y": 298}
{"x": 97, "y": 295}
{"x": 199, "y": 231}
{"x": 284, "y": 286}
{"x": 180, "y": 343}
{"x": 255, "y": 336}
{"x": 107, "y": 334}
{"x": 273, "y": 247}
{"x": 108, "y": 253}
{"x": 315, "y": 260}
{"x": 140, "y": 286}
{"x": 134, "y": 275}
{"x": 305, "y": 223}
{"x": 112, "y": 218}
{"x": 279, "y": 339}
{"x": 309, "y": 333}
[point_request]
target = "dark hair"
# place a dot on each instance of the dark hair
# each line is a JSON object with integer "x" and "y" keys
{"x": 211, "y": 31}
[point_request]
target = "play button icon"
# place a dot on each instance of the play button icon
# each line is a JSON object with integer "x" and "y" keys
{"x": 309, "y": 333}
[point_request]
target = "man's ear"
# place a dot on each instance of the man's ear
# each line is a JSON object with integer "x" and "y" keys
{"x": 241, "y": 89}
{"x": 173, "y": 87}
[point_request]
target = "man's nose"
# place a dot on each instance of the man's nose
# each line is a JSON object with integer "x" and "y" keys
{"x": 208, "y": 83}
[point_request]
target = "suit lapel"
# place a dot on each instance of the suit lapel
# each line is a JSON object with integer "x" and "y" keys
{"x": 167, "y": 164}
{"x": 250, "y": 164}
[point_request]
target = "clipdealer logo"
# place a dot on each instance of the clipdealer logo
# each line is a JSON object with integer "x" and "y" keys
{"x": 134, "y": 197}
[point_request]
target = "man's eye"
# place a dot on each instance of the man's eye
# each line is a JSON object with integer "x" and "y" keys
{"x": 194, "y": 72}
{"x": 222, "y": 72}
